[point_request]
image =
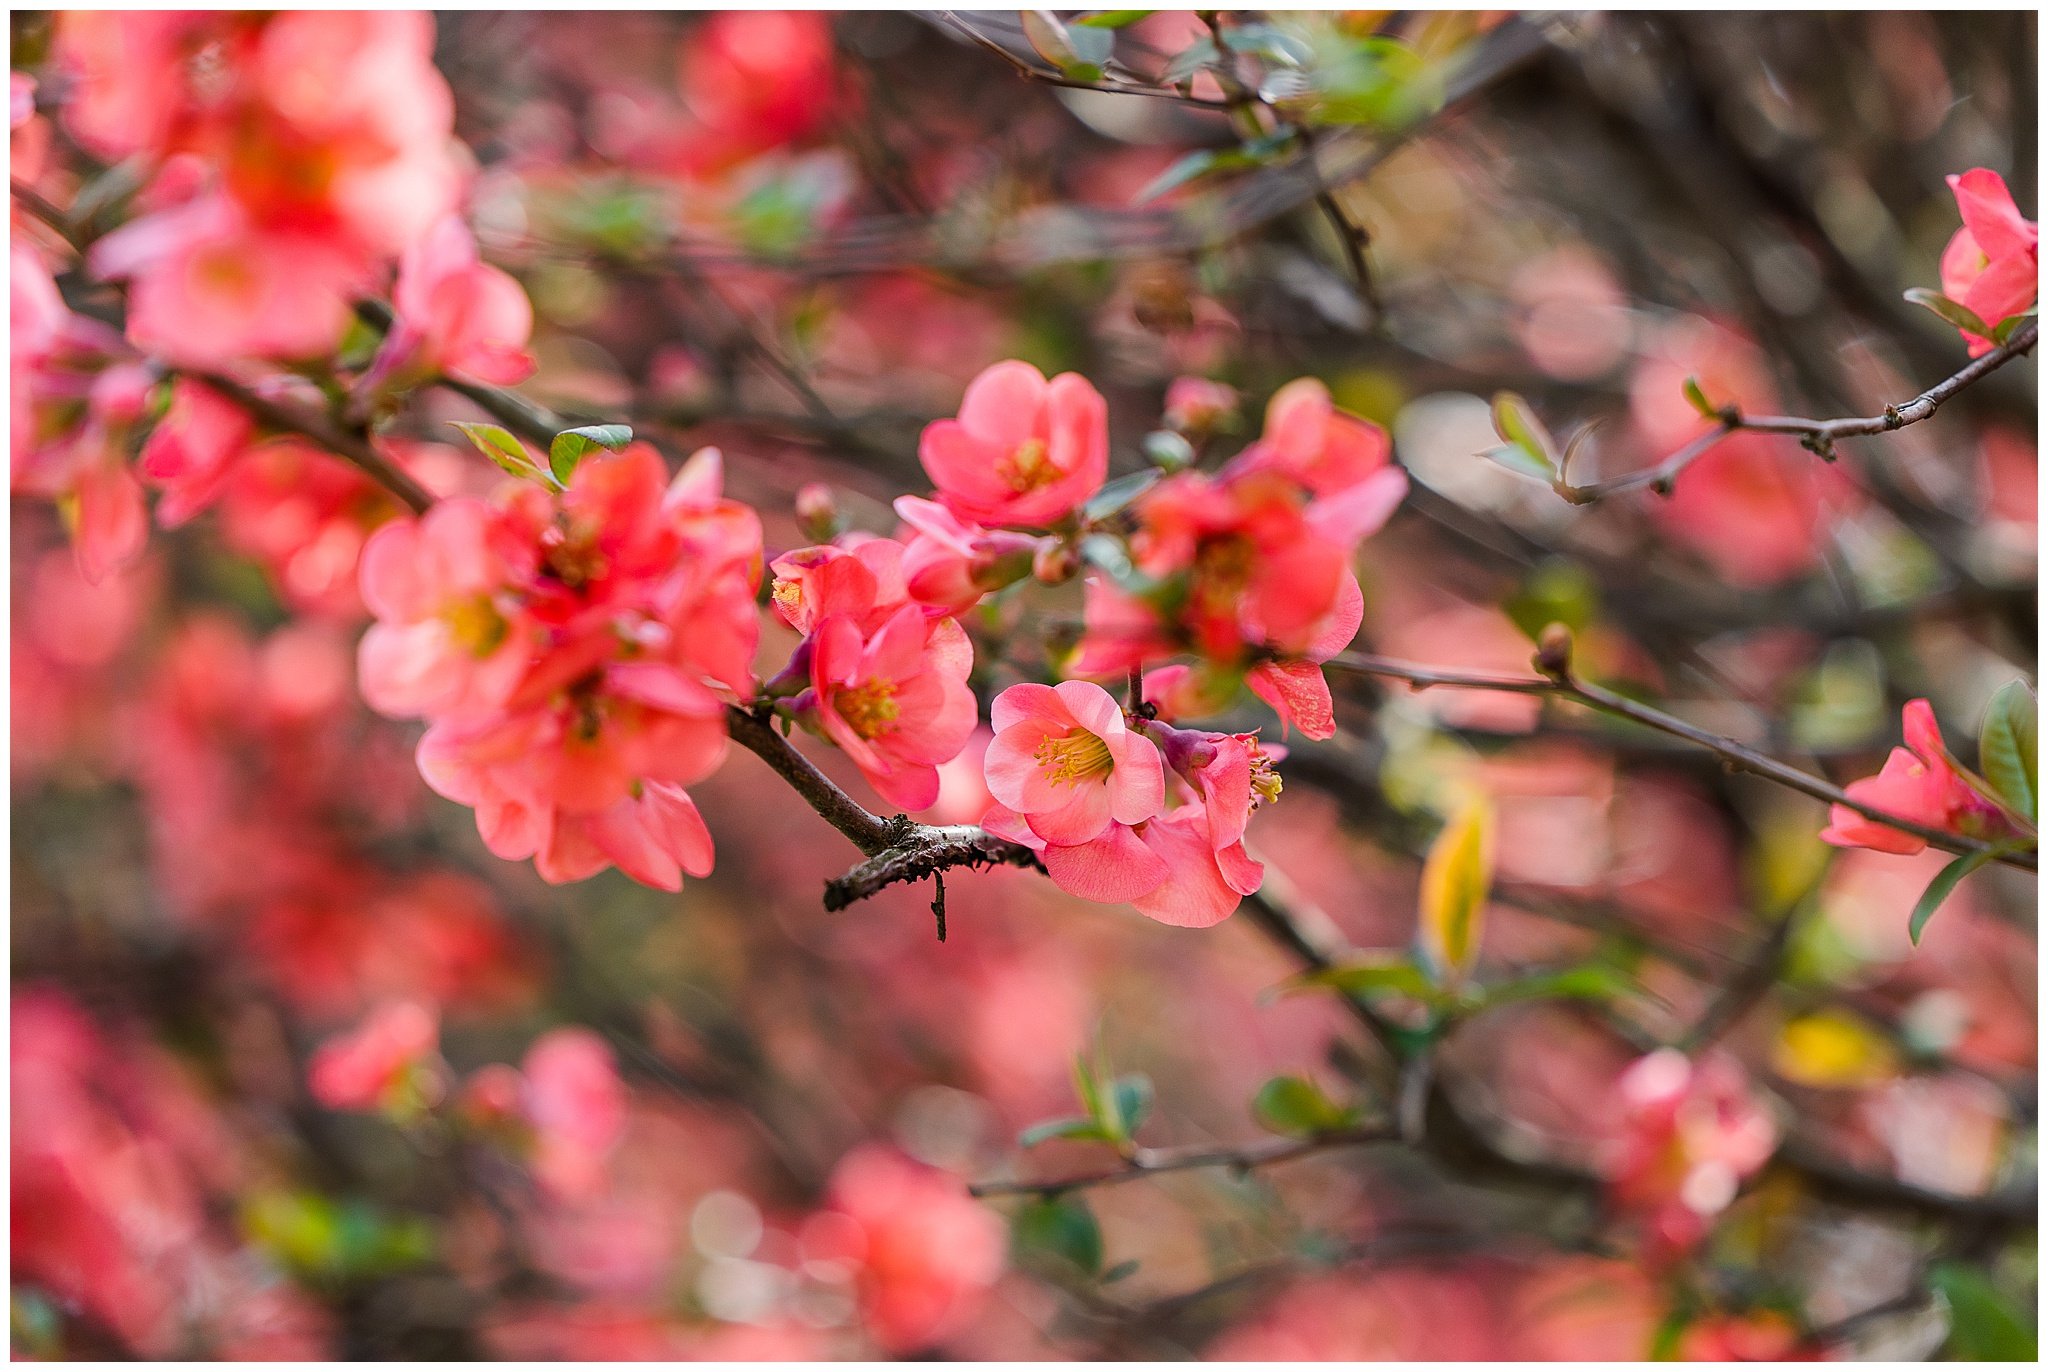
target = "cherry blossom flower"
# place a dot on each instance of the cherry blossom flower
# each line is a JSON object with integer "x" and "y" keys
{"x": 1693, "y": 1134}
{"x": 455, "y": 314}
{"x": 385, "y": 1063}
{"x": 1918, "y": 782}
{"x": 1992, "y": 265}
{"x": 1024, "y": 450}
{"x": 897, "y": 700}
{"x": 924, "y": 1253}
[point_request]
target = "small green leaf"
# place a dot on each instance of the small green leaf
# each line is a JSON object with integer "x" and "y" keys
{"x": 1075, "y": 1128}
{"x": 1117, "y": 494}
{"x": 1112, "y": 19}
{"x": 1188, "y": 61}
{"x": 2008, "y": 748}
{"x": 571, "y": 446}
{"x": 1515, "y": 422}
{"x": 1983, "y": 1325}
{"x": 1938, "y": 889}
{"x": 1698, "y": 399}
{"x": 1519, "y": 461}
{"x": 1131, "y": 1098}
{"x": 1088, "y": 1088}
{"x": 502, "y": 448}
{"x": 1590, "y": 981}
{"x": 1195, "y": 164}
{"x": 1297, "y": 1107}
{"x": 1366, "y": 976}
{"x": 1961, "y": 316}
{"x": 1168, "y": 451}
{"x": 1079, "y": 53}
{"x": 1061, "y": 1227}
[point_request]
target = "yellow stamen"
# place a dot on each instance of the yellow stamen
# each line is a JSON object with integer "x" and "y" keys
{"x": 1027, "y": 468}
{"x": 869, "y": 708}
{"x": 1078, "y": 757}
{"x": 475, "y": 624}
{"x": 1265, "y": 780}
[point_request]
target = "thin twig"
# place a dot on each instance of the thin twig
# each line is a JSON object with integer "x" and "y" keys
{"x": 1145, "y": 1162}
{"x": 1565, "y": 686}
{"x": 318, "y": 429}
{"x": 1818, "y": 435}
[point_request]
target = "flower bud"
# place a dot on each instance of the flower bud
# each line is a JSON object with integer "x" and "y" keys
{"x": 1055, "y": 561}
{"x": 817, "y": 512}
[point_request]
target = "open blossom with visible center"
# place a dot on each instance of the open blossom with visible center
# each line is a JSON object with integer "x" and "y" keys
{"x": 1077, "y": 784}
{"x": 896, "y": 701}
{"x": 1919, "y": 782}
{"x": 1992, "y": 265}
{"x": 1693, "y": 1133}
{"x": 570, "y": 649}
{"x": 1023, "y": 451}
{"x": 857, "y": 578}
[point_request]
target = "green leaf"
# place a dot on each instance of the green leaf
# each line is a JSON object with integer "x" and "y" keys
{"x": 1131, "y": 1097}
{"x": 1265, "y": 41}
{"x": 1455, "y": 879}
{"x": 502, "y": 448}
{"x": 1938, "y": 889}
{"x": 1957, "y": 314}
{"x": 2008, "y": 748}
{"x": 1117, "y": 494}
{"x": 1297, "y": 1107}
{"x": 1088, "y": 1088}
{"x": 1255, "y": 153}
{"x": 1589, "y": 981}
{"x": 1168, "y": 451}
{"x": 1698, "y": 399}
{"x": 1079, "y": 53}
{"x": 1123, "y": 1269}
{"x": 1519, "y": 461}
{"x": 1364, "y": 977}
{"x": 571, "y": 446}
{"x": 1515, "y": 422}
{"x": 1188, "y": 61}
{"x": 1983, "y": 1325}
{"x": 1073, "y": 1128}
{"x": 1112, "y": 19}
{"x": 1061, "y": 1227}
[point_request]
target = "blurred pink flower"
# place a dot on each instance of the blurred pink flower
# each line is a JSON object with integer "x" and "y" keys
{"x": 456, "y": 314}
{"x": 1693, "y": 1133}
{"x": 385, "y": 1063}
{"x": 925, "y": 1253}
{"x": 573, "y": 1099}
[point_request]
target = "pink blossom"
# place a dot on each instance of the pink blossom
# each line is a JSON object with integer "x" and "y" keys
{"x": 925, "y": 1253}
{"x": 860, "y": 579}
{"x": 382, "y": 1064}
{"x": 1694, "y": 1133}
{"x": 209, "y": 287}
{"x": 188, "y": 452}
{"x": 456, "y": 314}
{"x": 951, "y": 564}
{"x": 1064, "y": 759}
{"x": 1024, "y": 450}
{"x": 897, "y": 701}
{"x": 1195, "y": 404}
{"x": 445, "y": 642}
{"x": 756, "y": 79}
{"x": 1992, "y": 264}
{"x": 1919, "y": 782}
{"x": 576, "y": 1105}
{"x": 1323, "y": 448}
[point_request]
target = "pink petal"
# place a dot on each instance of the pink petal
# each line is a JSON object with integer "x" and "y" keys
{"x": 1113, "y": 869}
{"x": 1298, "y": 694}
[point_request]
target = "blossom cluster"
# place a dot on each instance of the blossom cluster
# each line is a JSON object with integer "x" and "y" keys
{"x": 573, "y": 651}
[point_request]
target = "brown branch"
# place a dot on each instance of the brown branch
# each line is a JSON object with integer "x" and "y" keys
{"x": 38, "y": 207}
{"x": 1818, "y": 435}
{"x": 1145, "y": 1162}
{"x": 352, "y": 447}
{"x": 1559, "y": 681}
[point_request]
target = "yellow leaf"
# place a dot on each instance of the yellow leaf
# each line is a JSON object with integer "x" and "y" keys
{"x": 1455, "y": 880}
{"x": 1833, "y": 1049}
